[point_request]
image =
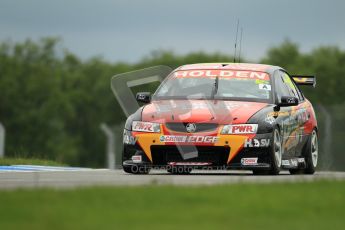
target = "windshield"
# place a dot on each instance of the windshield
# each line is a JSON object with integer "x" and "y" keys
{"x": 216, "y": 84}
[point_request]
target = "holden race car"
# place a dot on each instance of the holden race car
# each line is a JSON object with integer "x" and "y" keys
{"x": 224, "y": 116}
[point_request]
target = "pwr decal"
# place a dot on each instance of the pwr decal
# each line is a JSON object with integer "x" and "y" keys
{"x": 240, "y": 129}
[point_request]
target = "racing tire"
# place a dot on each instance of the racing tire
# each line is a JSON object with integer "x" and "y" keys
{"x": 275, "y": 152}
{"x": 134, "y": 169}
{"x": 179, "y": 170}
{"x": 311, "y": 153}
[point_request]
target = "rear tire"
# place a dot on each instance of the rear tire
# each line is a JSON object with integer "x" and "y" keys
{"x": 311, "y": 153}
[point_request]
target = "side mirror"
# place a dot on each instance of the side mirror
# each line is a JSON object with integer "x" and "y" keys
{"x": 288, "y": 101}
{"x": 144, "y": 97}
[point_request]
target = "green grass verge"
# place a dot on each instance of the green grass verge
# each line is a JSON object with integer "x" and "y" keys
{"x": 28, "y": 161}
{"x": 314, "y": 205}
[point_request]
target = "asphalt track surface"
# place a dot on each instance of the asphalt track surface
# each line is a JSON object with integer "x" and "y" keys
{"x": 100, "y": 177}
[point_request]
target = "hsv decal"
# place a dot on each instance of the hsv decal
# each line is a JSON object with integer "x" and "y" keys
{"x": 189, "y": 139}
{"x": 256, "y": 143}
{"x": 222, "y": 74}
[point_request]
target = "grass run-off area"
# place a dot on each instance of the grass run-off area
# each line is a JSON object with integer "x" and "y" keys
{"x": 310, "y": 205}
{"x": 28, "y": 161}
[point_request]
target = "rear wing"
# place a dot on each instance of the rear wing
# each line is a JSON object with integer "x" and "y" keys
{"x": 304, "y": 80}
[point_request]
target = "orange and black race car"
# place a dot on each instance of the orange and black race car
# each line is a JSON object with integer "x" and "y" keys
{"x": 224, "y": 116}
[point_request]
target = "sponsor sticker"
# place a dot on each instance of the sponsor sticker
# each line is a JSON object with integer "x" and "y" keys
{"x": 189, "y": 139}
{"x": 265, "y": 87}
{"x": 142, "y": 126}
{"x": 241, "y": 129}
{"x": 249, "y": 161}
{"x": 137, "y": 159}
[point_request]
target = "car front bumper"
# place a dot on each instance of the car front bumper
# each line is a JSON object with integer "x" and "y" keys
{"x": 230, "y": 152}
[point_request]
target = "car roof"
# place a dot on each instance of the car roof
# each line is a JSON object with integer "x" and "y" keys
{"x": 231, "y": 66}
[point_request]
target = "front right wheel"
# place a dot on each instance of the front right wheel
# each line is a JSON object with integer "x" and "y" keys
{"x": 276, "y": 153}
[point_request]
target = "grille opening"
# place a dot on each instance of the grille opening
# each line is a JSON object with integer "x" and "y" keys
{"x": 217, "y": 155}
{"x": 200, "y": 127}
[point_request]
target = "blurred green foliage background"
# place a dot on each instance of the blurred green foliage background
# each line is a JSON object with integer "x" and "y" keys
{"x": 52, "y": 102}
{"x": 283, "y": 206}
